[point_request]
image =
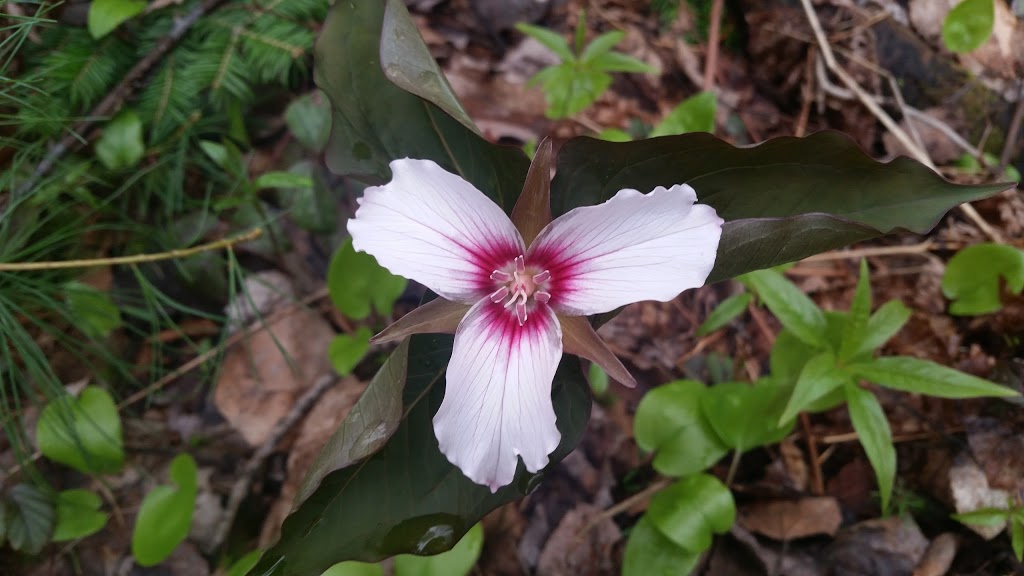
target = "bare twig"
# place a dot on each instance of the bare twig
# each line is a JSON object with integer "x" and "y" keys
{"x": 921, "y": 248}
{"x": 116, "y": 97}
{"x": 711, "y": 63}
{"x": 1014, "y": 132}
{"x": 626, "y": 504}
{"x": 133, "y": 259}
{"x": 240, "y": 489}
{"x": 869, "y": 102}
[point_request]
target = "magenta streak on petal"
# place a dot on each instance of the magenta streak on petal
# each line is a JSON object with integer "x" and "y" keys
{"x": 563, "y": 271}
{"x": 487, "y": 256}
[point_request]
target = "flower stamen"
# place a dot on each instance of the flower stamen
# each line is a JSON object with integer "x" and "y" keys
{"x": 542, "y": 277}
{"x": 498, "y": 295}
{"x": 499, "y": 276}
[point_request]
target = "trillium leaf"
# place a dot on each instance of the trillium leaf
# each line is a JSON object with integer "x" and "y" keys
{"x": 782, "y": 200}
{"x": 375, "y": 121}
{"x": 381, "y": 487}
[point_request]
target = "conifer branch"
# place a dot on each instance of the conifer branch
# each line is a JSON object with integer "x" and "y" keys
{"x": 112, "y": 103}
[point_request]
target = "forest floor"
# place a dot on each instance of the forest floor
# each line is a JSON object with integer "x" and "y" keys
{"x": 808, "y": 506}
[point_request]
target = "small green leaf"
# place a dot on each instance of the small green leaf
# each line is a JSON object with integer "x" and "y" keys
{"x": 347, "y": 350}
{"x": 283, "y": 180}
{"x": 551, "y": 40}
{"x": 924, "y": 377}
{"x": 726, "y": 311}
{"x": 973, "y": 277}
{"x": 690, "y": 511}
{"x": 598, "y": 380}
{"x": 456, "y": 562}
{"x": 983, "y": 517}
{"x": 357, "y": 283}
{"x": 29, "y": 517}
{"x": 872, "y": 429}
{"x": 669, "y": 421}
{"x": 1017, "y": 538}
{"x": 120, "y": 146}
{"x": 819, "y": 377}
{"x": 83, "y": 432}
{"x": 243, "y": 565}
{"x": 78, "y": 515}
{"x": 968, "y": 25}
{"x": 601, "y": 45}
{"x": 354, "y": 568}
{"x": 856, "y": 326}
{"x": 695, "y": 114}
{"x": 569, "y": 90}
{"x": 309, "y": 119}
{"x": 791, "y": 306}
{"x": 651, "y": 553}
{"x": 96, "y": 314}
{"x": 883, "y": 325}
{"x": 165, "y": 515}
{"x": 614, "y": 135}
{"x": 744, "y": 415}
{"x": 617, "y": 62}
{"x": 312, "y": 207}
{"x": 105, "y": 15}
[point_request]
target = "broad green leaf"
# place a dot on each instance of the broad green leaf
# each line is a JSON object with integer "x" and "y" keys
{"x": 744, "y": 415}
{"x": 551, "y": 40}
{"x": 312, "y": 207}
{"x": 29, "y": 517}
{"x": 242, "y": 566}
{"x": 782, "y": 200}
{"x": 357, "y": 283}
{"x": 78, "y": 515}
{"x": 617, "y": 62}
{"x": 353, "y": 568}
{"x": 601, "y": 45}
{"x": 309, "y": 119}
{"x": 669, "y": 421}
{"x": 96, "y": 314}
{"x": 384, "y": 464}
{"x": 856, "y": 326}
{"x": 692, "y": 510}
{"x": 968, "y": 25}
{"x": 819, "y": 377}
{"x": 120, "y": 146}
{"x": 165, "y": 515}
{"x": 282, "y": 180}
{"x": 375, "y": 121}
{"x": 983, "y": 517}
{"x": 82, "y": 432}
{"x": 695, "y": 114}
{"x": 105, "y": 15}
{"x": 975, "y": 275}
{"x": 872, "y": 429}
{"x": 883, "y": 325}
{"x": 925, "y": 377}
{"x": 726, "y": 311}
{"x": 347, "y": 350}
{"x": 792, "y": 307}
{"x": 456, "y": 562}
{"x": 651, "y": 553}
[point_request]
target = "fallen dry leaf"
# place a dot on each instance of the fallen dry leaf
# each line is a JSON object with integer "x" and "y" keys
{"x": 883, "y": 547}
{"x": 570, "y": 553}
{"x": 939, "y": 556}
{"x": 258, "y": 385}
{"x": 970, "y": 491}
{"x": 792, "y": 519}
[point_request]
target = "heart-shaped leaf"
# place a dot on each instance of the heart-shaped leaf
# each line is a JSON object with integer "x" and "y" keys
{"x": 165, "y": 516}
{"x": 83, "y": 432}
{"x": 692, "y": 510}
{"x": 358, "y": 284}
{"x": 976, "y": 275}
{"x": 669, "y": 420}
{"x": 78, "y": 515}
{"x": 381, "y": 486}
{"x": 651, "y": 553}
{"x": 782, "y": 200}
{"x": 746, "y": 416}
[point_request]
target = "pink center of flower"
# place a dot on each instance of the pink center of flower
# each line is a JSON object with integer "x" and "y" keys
{"x": 520, "y": 287}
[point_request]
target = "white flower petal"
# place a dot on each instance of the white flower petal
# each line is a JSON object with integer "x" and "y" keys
{"x": 433, "y": 227}
{"x": 497, "y": 397}
{"x": 633, "y": 247}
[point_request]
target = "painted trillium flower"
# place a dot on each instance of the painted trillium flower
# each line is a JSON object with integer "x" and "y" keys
{"x": 516, "y": 295}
